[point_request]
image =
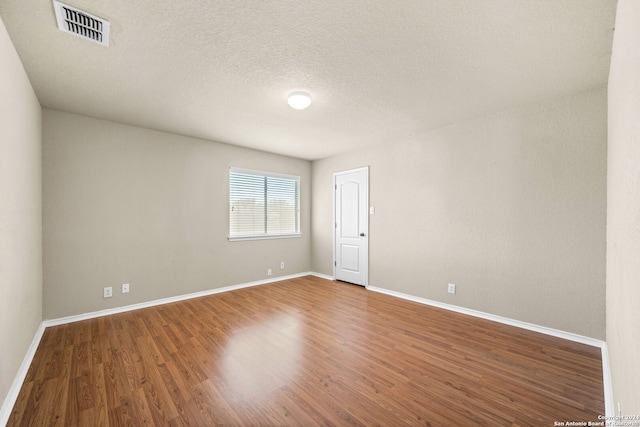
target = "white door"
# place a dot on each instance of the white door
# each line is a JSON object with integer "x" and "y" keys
{"x": 351, "y": 252}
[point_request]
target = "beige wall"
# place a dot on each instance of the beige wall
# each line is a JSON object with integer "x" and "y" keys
{"x": 510, "y": 207}
{"x": 20, "y": 213}
{"x": 623, "y": 214}
{"x": 130, "y": 205}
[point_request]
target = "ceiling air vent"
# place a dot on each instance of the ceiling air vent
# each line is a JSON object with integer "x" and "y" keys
{"x": 82, "y": 24}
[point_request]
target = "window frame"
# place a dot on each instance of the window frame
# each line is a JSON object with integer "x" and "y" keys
{"x": 265, "y": 175}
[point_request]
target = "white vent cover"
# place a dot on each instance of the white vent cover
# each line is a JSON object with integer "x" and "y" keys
{"x": 82, "y": 24}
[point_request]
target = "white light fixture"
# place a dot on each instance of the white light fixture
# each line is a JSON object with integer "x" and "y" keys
{"x": 299, "y": 100}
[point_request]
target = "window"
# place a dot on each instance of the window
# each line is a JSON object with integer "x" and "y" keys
{"x": 263, "y": 205}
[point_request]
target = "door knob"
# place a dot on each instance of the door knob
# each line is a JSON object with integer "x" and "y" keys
{"x": 361, "y": 234}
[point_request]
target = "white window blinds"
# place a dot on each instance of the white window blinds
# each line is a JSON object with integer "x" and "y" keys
{"x": 263, "y": 205}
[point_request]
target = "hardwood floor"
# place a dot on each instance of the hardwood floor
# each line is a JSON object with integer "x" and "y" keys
{"x": 305, "y": 352}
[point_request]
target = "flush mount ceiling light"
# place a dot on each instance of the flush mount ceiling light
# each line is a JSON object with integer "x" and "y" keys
{"x": 299, "y": 100}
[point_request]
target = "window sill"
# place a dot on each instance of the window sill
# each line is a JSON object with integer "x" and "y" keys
{"x": 278, "y": 236}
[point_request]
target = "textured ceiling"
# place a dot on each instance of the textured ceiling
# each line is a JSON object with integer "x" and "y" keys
{"x": 379, "y": 71}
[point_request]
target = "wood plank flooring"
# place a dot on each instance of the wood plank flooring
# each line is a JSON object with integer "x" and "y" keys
{"x": 305, "y": 352}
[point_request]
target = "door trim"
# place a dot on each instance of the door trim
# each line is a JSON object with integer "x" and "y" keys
{"x": 335, "y": 187}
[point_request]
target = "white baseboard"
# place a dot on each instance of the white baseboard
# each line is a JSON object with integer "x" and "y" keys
{"x": 608, "y": 389}
{"x": 125, "y": 308}
{"x": 14, "y": 390}
{"x": 505, "y": 320}
{"x": 322, "y": 276}
{"x": 609, "y": 407}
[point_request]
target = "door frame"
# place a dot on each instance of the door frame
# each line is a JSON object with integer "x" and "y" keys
{"x": 335, "y": 230}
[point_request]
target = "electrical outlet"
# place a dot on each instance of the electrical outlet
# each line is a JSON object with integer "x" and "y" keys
{"x": 282, "y": 265}
{"x": 452, "y": 288}
{"x": 107, "y": 292}
{"x": 268, "y": 272}
{"x": 125, "y": 288}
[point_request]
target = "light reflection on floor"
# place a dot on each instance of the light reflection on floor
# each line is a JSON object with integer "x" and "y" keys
{"x": 258, "y": 354}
